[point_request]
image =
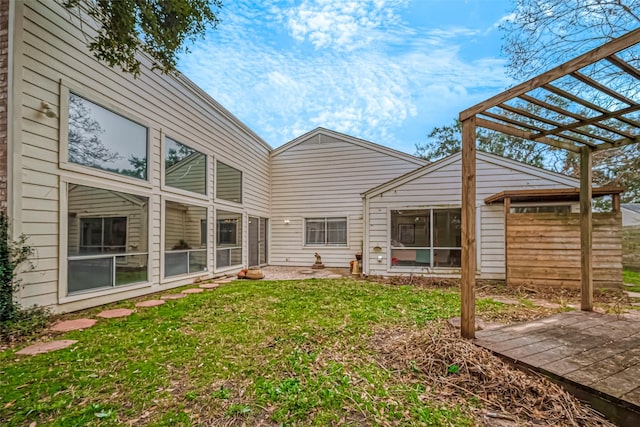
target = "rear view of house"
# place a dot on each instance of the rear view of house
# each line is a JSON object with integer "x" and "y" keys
{"x": 132, "y": 186}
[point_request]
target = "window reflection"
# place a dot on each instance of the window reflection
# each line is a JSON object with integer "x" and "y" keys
{"x": 185, "y": 168}
{"x": 102, "y": 139}
{"x": 228, "y": 183}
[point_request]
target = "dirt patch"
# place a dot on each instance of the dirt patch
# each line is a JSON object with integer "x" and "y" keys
{"x": 455, "y": 370}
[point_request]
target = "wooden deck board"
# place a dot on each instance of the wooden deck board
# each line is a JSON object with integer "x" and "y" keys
{"x": 598, "y": 354}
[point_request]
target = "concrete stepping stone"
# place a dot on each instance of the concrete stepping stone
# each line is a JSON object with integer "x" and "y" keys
{"x": 193, "y": 291}
{"x": 112, "y": 314}
{"x": 505, "y": 300}
{"x": 633, "y": 294}
{"x": 46, "y": 347}
{"x": 150, "y": 303}
{"x": 334, "y": 276}
{"x": 173, "y": 296}
{"x": 209, "y": 286}
{"x": 73, "y": 325}
{"x": 224, "y": 281}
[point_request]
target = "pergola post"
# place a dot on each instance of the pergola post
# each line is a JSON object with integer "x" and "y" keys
{"x": 586, "y": 229}
{"x": 467, "y": 288}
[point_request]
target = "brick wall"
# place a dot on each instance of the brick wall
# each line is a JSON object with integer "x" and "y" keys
{"x": 4, "y": 94}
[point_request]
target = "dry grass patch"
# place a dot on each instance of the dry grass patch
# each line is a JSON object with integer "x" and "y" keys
{"x": 456, "y": 371}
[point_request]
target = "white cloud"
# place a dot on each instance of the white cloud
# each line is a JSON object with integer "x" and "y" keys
{"x": 282, "y": 89}
{"x": 341, "y": 25}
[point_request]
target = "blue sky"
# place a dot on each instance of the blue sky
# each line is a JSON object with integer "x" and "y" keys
{"x": 383, "y": 70}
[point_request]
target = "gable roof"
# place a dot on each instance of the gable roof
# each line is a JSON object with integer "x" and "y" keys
{"x": 633, "y": 207}
{"x": 319, "y": 131}
{"x": 480, "y": 155}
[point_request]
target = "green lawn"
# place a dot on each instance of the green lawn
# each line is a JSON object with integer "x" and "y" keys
{"x": 631, "y": 278}
{"x": 288, "y": 352}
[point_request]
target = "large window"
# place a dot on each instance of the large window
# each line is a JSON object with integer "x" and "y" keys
{"x": 325, "y": 231}
{"x": 228, "y": 183}
{"x": 102, "y": 139}
{"x": 185, "y": 249}
{"x": 228, "y": 239}
{"x": 185, "y": 168}
{"x": 106, "y": 239}
{"x": 426, "y": 238}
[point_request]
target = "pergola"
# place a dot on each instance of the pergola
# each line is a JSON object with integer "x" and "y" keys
{"x": 585, "y": 105}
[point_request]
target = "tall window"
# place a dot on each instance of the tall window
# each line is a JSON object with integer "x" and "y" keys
{"x": 185, "y": 168}
{"x": 426, "y": 238}
{"x": 228, "y": 183}
{"x": 185, "y": 249}
{"x": 228, "y": 239}
{"x": 325, "y": 231}
{"x": 102, "y": 139}
{"x": 107, "y": 239}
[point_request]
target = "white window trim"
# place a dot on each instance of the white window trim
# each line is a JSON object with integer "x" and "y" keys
{"x": 169, "y": 189}
{"x": 63, "y": 230}
{"x": 94, "y": 97}
{"x": 163, "y": 213}
{"x": 324, "y": 245}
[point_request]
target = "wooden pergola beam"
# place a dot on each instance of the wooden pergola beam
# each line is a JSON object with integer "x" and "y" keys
{"x": 530, "y": 128}
{"x": 561, "y": 111}
{"x": 587, "y": 104}
{"x": 575, "y": 64}
{"x": 602, "y": 88}
{"x": 624, "y": 66}
{"x": 558, "y": 127}
{"x": 592, "y": 121}
{"x": 519, "y": 133}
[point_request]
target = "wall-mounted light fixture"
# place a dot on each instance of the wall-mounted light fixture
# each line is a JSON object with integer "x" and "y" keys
{"x": 286, "y": 221}
{"x": 46, "y": 109}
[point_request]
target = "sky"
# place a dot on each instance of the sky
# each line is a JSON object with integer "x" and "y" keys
{"x": 387, "y": 71}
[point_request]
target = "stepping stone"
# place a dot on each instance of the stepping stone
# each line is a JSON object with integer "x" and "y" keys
{"x": 307, "y": 272}
{"x": 633, "y": 294}
{"x": 173, "y": 296}
{"x": 505, "y": 300}
{"x": 112, "y": 314}
{"x": 334, "y": 276}
{"x": 150, "y": 303}
{"x": 73, "y": 325}
{"x": 46, "y": 347}
{"x": 224, "y": 281}
{"x": 193, "y": 291}
{"x": 209, "y": 286}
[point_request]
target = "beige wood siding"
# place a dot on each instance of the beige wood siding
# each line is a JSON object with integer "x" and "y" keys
{"x": 324, "y": 176}
{"x": 441, "y": 186}
{"x": 50, "y": 47}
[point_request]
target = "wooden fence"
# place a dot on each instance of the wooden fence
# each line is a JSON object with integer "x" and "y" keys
{"x": 543, "y": 249}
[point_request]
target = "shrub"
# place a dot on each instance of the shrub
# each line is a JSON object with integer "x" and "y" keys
{"x": 15, "y": 321}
